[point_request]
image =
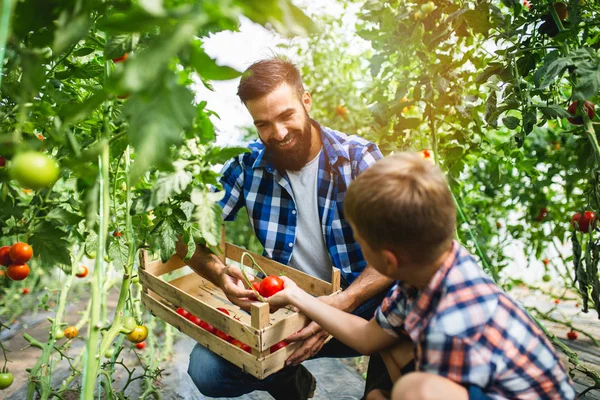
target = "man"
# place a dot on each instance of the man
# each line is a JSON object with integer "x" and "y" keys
{"x": 292, "y": 183}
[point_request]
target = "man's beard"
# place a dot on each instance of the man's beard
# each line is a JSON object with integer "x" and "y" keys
{"x": 295, "y": 158}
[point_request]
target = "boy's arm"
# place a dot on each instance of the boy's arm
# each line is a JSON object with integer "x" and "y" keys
{"x": 366, "y": 337}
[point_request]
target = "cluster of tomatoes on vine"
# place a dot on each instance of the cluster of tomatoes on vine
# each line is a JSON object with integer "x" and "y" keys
{"x": 14, "y": 258}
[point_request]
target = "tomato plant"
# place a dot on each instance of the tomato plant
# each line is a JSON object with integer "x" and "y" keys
{"x": 573, "y": 110}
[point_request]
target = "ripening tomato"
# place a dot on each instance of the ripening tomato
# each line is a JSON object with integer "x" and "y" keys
{"x": 33, "y": 170}
{"x": 140, "y": 346}
{"x": 578, "y": 120}
{"x": 270, "y": 285}
{"x": 587, "y": 221}
{"x": 70, "y": 332}
{"x": 572, "y": 335}
{"x": 208, "y": 327}
{"x": 17, "y": 272}
{"x": 120, "y": 59}
{"x": 4, "y": 257}
{"x": 183, "y": 312}
{"x": 6, "y": 379}
{"x": 83, "y": 271}
{"x": 20, "y": 253}
{"x": 278, "y": 346}
{"x": 138, "y": 335}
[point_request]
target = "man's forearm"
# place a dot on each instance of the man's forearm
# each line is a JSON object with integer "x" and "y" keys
{"x": 203, "y": 262}
{"x": 366, "y": 286}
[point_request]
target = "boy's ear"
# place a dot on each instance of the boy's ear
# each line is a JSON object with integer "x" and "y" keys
{"x": 391, "y": 261}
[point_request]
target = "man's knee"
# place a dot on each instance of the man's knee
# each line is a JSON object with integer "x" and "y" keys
{"x": 424, "y": 386}
{"x": 203, "y": 368}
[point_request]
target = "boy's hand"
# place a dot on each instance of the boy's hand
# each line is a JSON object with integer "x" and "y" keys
{"x": 283, "y": 297}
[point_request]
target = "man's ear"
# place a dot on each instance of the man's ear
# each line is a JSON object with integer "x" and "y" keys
{"x": 391, "y": 261}
{"x": 307, "y": 101}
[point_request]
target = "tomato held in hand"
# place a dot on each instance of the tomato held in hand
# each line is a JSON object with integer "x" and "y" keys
{"x": 17, "y": 272}
{"x": 6, "y": 379}
{"x": 83, "y": 271}
{"x": 577, "y": 120}
{"x": 278, "y": 346}
{"x": 270, "y": 285}
{"x": 20, "y": 253}
{"x": 33, "y": 170}
{"x": 138, "y": 335}
{"x": 4, "y": 257}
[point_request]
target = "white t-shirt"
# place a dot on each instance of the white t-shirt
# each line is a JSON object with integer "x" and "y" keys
{"x": 310, "y": 254}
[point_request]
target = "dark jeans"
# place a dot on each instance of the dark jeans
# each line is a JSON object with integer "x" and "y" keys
{"x": 216, "y": 377}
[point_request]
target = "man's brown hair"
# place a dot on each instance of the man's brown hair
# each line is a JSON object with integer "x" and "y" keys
{"x": 264, "y": 76}
{"x": 402, "y": 202}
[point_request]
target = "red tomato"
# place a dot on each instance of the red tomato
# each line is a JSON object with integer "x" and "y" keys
{"x": 208, "y": 327}
{"x": 4, "y": 257}
{"x": 542, "y": 214}
{"x": 17, "y": 272}
{"x": 270, "y": 285}
{"x": 589, "y": 106}
{"x": 575, "y": 220}
{"x": 182, "y": 312}
{"x": 194, "y": 319}
{"x": 224, "y": 311}
{"x": 278, "y": 346}
{"x": 140, "y": 345}
{"x": 546, "y": 261}
{"x": 587, "y": 221}
{"x": 25, "y": 290}
{"x": 83, "y": 271}
{"x": 572, "y": 335}
{"x": 20, "y": 252}
{"x": 2, "y": 162}
{"x": 242, "y": 346}
{"x": 122, "y": 58}
{"x": 117, "y": 234}
{"x": 224, "y": 336}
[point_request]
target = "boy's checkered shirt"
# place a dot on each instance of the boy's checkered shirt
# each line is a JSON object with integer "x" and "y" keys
{"x": 465, "y": 328}
{"x": 250, "y": 180}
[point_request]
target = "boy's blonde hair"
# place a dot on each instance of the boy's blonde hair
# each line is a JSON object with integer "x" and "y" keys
{"x": 403, "y": 203}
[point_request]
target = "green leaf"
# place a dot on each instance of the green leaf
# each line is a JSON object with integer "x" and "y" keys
{"x": 220, "y": 155}
{"x": 82, "y": 52}
{"x": 206, "y": 67}
{"x": 64, "y": 217}
{"x": 286, "y": 18}
{"x": 50, "y": 244}
{"x": 81, "y": 111}
{"x": 529, "y": 120}
{"x": 168, "y": 231}
{"x": 554, "y": 111}
{"x": 172, "y": 110}
{"x": 511, "y": 122}
{"x": 207, "y": 214}
{"x": 118, "y": 251}
{"x": 70, "y": 30}
{"x": 490, "y": 109}
{"x": 166, "y": 186}
{"x": 117, "y": 46}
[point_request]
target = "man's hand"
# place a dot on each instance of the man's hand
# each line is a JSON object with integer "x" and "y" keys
{"x": 231, "y": 282}
{"x": 313, "y": 335}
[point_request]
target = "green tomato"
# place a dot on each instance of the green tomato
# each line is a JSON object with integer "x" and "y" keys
{"x": 59, "y": 334}
{"x": 129, "y": 324}
{"x": 135, "y": 279}
{"x": 33, "y": 170}
{"x": 546, "y": 278}
{"x": 110, "y": 352}
{"x": 428, "y": 7}
{"x": 6, "y": 379}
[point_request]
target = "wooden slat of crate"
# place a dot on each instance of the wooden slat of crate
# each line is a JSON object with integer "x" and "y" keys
{"x": 158, "y": 268}
{"x": 193, "y": 301}
{"x": 247, "y": 362}
{"x": 306, "y": 282}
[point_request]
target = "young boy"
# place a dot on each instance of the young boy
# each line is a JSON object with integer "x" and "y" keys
{"x": 468, "y": 338}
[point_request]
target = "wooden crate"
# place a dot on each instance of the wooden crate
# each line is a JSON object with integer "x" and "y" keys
{"x": 259, "y": 329}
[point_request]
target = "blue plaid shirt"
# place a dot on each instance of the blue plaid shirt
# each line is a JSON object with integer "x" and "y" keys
{"x": 251, "y": 180}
